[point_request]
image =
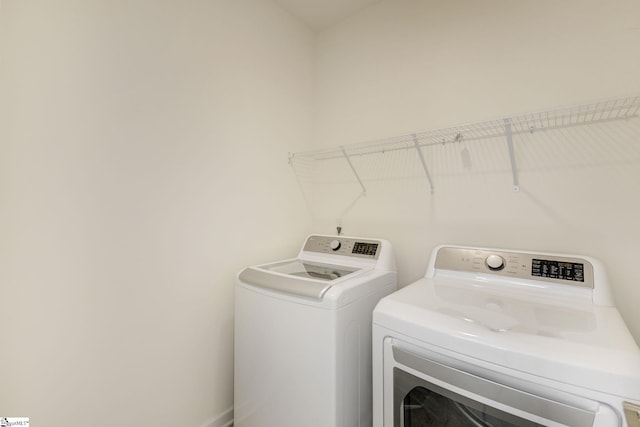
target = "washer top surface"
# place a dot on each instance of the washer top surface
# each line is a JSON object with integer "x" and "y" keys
{"x": 327, "y": 267}
{"x": 513, "y": 315}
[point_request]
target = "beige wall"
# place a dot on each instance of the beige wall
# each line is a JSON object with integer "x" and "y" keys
{"x": 410, "y": 65}
{"x": 143, "y": 150}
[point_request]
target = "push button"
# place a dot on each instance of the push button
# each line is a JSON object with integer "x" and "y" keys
{"x": 494, "y": 262}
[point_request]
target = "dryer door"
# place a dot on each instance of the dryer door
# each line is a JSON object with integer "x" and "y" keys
{"x": 431, "y": 393}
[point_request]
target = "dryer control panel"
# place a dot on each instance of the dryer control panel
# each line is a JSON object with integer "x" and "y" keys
{"x": 521, "y": 265}
{"x": 337, "y": 245}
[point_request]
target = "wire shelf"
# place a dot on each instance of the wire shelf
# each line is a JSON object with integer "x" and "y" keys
{"x": 602, "y": 111}
{"x": 580, "y": 115}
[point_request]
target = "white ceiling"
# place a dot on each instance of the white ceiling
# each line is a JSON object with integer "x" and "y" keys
{"x": 319, "y": 14}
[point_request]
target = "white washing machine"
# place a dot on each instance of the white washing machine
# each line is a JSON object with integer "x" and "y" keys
{"x": 504, "y": 338}
{"x": 303, "y": 334}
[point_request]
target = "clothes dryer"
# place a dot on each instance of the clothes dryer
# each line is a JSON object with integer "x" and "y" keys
{"x": 504, "y": 338}
{"x": 303, "y": 334}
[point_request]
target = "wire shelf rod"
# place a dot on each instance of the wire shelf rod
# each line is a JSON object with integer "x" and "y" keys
{"x": 346, "y": 156}
{"x": 512, "y": 156}
{"x": 424, "y": 163}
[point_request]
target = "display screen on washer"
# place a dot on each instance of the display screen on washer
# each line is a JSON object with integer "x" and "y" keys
{"x": 311, "y": 270}
{"x": 553, "y": 269}
{"x": 365, "y": 248}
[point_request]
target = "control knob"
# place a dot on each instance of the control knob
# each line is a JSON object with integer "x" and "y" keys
{"x": 335, "y": 245}
{"x": 494, "y": 262}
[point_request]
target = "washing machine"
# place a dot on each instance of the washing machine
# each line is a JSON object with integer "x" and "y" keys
{"x": 493, "y": 337}
{"x": 303, "y": 334}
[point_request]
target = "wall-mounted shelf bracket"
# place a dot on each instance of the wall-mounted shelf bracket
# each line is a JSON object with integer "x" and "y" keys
{"x": 353, "y": 169}
{"x": 512, "y": 156}
{"x": 416, "y": 143}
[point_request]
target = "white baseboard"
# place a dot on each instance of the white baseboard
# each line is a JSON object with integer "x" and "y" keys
{"x": 224, "y": 419}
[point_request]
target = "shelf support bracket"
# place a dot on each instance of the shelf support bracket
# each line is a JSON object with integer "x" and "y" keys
{"x": 512, "y": 156}
{"x": 346, "y": 156}
{"x": 424, "y": 163}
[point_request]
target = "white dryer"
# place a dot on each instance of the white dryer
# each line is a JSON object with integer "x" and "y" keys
{"x": 504, "y": 338}
{"x": 303, "y": 334}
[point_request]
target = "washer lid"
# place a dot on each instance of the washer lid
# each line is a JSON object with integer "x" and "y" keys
{"x": 298, "y": 277}
{"x": 310, "y": 270}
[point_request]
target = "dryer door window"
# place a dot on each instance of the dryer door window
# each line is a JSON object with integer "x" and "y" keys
{"x": 426, "y": 407}
{"x": 448, "y": 397}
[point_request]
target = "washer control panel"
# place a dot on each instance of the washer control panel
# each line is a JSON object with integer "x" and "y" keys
{"x": 361, "y": 248}
{"x": 544, "y": 267}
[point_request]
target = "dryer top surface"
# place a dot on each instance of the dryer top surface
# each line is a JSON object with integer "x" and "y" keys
{"x": 541, "y": 327}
